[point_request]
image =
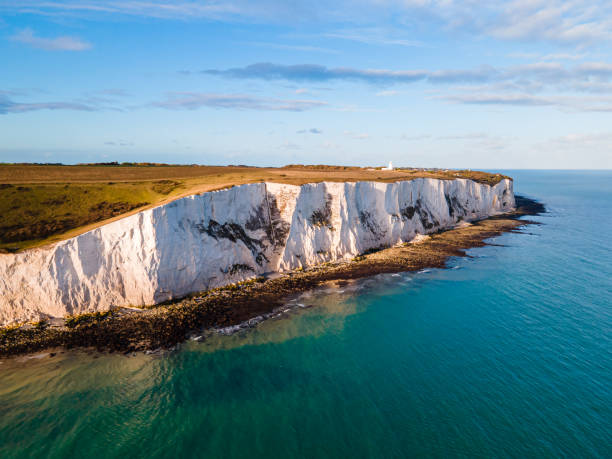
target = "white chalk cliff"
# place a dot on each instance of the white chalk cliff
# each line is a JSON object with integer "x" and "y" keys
{"x": 216, "y": 238}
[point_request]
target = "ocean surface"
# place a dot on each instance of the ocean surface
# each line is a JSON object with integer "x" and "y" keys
{"x": 506, "y": 354}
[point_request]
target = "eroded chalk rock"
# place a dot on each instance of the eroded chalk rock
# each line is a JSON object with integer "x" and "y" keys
{"x": 213, "y": 239}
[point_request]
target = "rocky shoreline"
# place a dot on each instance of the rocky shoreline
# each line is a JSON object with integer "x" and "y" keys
{"x": 166, "y": 325}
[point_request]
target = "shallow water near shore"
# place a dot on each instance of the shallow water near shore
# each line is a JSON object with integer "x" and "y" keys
{"x": 509, "y": 353}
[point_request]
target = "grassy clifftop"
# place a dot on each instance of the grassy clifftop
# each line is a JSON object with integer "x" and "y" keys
{"x": 42, "y": 204}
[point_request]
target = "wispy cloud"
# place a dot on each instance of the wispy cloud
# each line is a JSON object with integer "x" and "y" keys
{"x": 28, "y": 100}
{"x": 478, "y": 140}
{"x": 310, "y": 131}
{"x": 111, "y": 99}
{"x": 112, "y": 92}
{"x": 473, "y": 139}
{"x": 568, "y": 103}
{"x": 415, "y": 137}
{"x": 498, "y": 99}
{"x": 580, "y": 22}
{"x": 575, "y": 21}
{"x": 18, "y": 92}
{"x": 151, "y": 8}
{"x": 375, "y": 36}
{"x": 195, "y": 100}
{"x": 286, "y": 145}
{"x": 66, "y": 43}
{"x": 318, "y": 73}
{"x": 468, "y": 136}
{"x": 537, "y": 84}
{"x": 357, "y": 135}
{"x": 584, "y": 138}
{"x": 107, "y": 100}
{"x": 574, "y": 145}
{"x": 7, "y": 106}
{"x": 550, "y": 56}
{"x": 289, "y": 47}
{"x": 119, "y": 143}
{"x": 536, "y": 73}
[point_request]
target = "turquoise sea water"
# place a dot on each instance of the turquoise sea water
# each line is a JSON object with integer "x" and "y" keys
{"x": 507, "y": 354}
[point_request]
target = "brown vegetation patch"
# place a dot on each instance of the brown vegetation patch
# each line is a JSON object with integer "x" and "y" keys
{"x": 165, "y": 186}
{"x": 40, "y": 229}
{"x": 104, "y": 210}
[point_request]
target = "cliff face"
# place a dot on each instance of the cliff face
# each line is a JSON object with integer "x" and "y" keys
{"x": 212, "y": 239}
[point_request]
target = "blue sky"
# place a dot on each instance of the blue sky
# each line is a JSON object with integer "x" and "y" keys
{"x": 429, "y": 83}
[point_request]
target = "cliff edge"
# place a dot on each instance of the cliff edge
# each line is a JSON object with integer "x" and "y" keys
{"x": 216, "y": 238}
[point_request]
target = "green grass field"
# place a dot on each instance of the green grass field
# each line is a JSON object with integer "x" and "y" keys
{"x": 32, "y": 213}
{"x": 42, "y": 204}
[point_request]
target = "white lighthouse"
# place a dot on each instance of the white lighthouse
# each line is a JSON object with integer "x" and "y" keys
{"x": 389, "y": 167}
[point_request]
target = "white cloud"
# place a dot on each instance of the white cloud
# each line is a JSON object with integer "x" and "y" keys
{"x": 357, "y": 135}
{"x": 375, "y": 36}
{"x": 498, "y": 99}
{"x": 563, "y": 57}
{"x": 559, "y": 21}
{"x": 469, "y": 136}
{"x": 173, "y": 101}
{"x": 310, "y": 131}
{"x": 571, "y": 149}
{"x": 566, "y": 103}
{"x": 286, "y": 145}
{"x": 550, "y": 56}
{"x": 8, "y": 105}
{"x": 196, "y": 100}
{"x": 304, "y": 48}
{"x": 151, "y": 8}
{"x": 330, "y": 145}
{"x": 415, "y": 137}
{"x": 28, "y": 37}
{"x": 584, "y": 138}
{"x": 119, "y": 143}
{"x": 555, "y": 20}
{"x": 539, "y": 72}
